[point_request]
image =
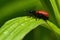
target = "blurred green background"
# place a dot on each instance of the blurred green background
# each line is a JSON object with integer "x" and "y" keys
{"x": 17, "y": 8}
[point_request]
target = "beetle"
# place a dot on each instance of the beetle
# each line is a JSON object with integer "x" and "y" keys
{"x": 41, "y": 14}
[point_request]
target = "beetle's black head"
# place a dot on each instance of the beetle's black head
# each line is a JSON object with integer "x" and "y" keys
{"x": 32, "y": 11}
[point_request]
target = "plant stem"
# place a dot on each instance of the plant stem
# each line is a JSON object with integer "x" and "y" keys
{"x": 53, "y": 27}
{"x": 56, "y": 11}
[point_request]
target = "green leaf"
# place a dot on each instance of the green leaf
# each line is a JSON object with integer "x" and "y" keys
{"x": 58, "y": 4}
{"x": 17, "y": 28}
{"x": 49, "y": 25}
{"x": 53, "y": 27}
{"x": 56, "y": 11}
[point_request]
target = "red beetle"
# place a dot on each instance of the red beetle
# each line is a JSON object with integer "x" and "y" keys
{"x": 40, "y": 14}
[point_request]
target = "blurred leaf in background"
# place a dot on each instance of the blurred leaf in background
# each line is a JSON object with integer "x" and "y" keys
{"x": 16, "y": 11}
